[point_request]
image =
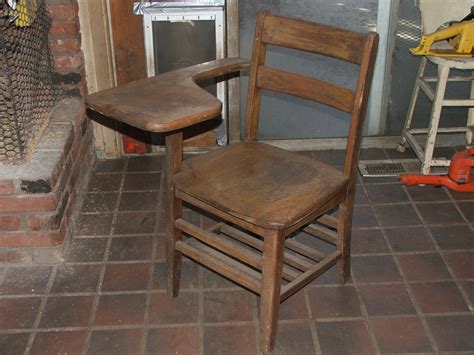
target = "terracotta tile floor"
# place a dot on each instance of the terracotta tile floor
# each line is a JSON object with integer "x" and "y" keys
{"x": 412, "y": 287}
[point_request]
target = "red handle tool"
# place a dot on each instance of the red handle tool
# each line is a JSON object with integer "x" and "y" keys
{"x": 459, "y": 176}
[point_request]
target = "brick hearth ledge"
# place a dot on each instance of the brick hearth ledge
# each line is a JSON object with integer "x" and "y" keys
{"x": 38, "y": 200}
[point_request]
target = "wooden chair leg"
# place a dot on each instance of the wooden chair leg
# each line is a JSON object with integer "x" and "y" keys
{"x": 173, "y": 257}
{"x": 273, "y": 247}
{"x": 344, "y": 229}
{"x": 174, "y": 149}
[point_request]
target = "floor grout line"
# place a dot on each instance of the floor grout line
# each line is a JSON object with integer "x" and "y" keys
{"x": 424, "y": 323}
{"x": 39, "y": 314}
{"x": 217, "y": 289}
{"x": 158, "y": 237}
{"x": 441, "y": 252}
{"x": 365, "y": 313}
{"x": 312, "y": 323}
{"x": 464, "y": 295}
{"x": 143, "y": 347}
{"x": 256, "y": 323}
{"x": 95, "y": 303}
{"x": 226, "y": 324}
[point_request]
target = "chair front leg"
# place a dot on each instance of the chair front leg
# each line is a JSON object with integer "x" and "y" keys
{"x": 344, "y": 229}
{"x": 173, "y": 257}
{"x": 174, "y": 153}
{"x": 273, "y": 247}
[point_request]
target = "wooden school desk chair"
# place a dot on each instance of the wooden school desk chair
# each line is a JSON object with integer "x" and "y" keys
{"x": 264, "y": 194}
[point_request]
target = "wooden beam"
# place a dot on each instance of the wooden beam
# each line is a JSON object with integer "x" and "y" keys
{"x": 309, "y": 275}
{"x": 222, "y": 264}
{"x": 322, "y": 233}
{"x": 302, "y": 249}
{"x": 256, "y": 243}
{"x": 232, "y": 249}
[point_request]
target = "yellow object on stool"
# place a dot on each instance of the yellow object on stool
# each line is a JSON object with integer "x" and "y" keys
{"x": 459, "y": 35}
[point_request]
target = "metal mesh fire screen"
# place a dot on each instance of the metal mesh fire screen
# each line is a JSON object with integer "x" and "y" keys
{"x": 27, "y": 93}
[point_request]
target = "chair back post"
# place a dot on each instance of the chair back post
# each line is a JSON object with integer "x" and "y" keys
{"x": 354, "y": 138}
{"x": 437, "y": 12}
{"x": 254, "y": 93}
{"x": 325, "y": 40}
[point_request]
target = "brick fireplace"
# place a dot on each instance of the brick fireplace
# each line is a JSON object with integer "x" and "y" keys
{"x": 65, "y": 46}
{"x": 38, "y": 197}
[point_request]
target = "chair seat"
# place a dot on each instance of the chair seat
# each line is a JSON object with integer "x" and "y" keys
{"x": 261, "y": 184}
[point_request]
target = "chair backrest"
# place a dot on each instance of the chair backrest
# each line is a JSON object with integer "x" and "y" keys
{"x": 434, "y": 13}
{"x": 325, "y": 40}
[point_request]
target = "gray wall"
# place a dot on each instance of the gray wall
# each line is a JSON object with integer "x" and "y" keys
{"x": 285, "y": 117}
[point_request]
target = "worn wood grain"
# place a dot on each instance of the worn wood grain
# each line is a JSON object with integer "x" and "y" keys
{"x": 224, "y": 265}
{"x": 307, "y": 88}
{"x": 259, "y": 52}
{"x": 290, "y": 259}
{"x": 166, "y": 102}
{"x": 354, "y": 141}
{"x": 310, "y": 275}
{"x": 264, "y": 185}
{"x": 129, "y": 60}
{"x": 129, "y": 49}
{"x": 272, "y": 192}
{"x": 313, "y": 37}
{"x": 226, "y": 246}
{"x": 273, "y": 248}
{"x": 322, "y": 232}
{"x": 174, "y": 156}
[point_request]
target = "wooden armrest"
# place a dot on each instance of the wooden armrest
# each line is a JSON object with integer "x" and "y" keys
{"x": 166, "y": 102}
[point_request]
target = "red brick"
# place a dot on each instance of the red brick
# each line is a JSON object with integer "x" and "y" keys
{"x": 63, "y": 11}
{"x": 68, "y": 61}
{"x": 9, "y": 223}
{"x": 30, "y": 239}
{"x": 43, "y": 222}
{"x": 61, "y": 183}
{"x": 85, "y": 156}
{"x": 48, "y": 221}
{"x": 64, "y": 28}
{"x": 35, "y": 239}
{"x": 69, "y": 141}
{"x": 74, "y": 145}
{"x": 6, "y": 187}
{"x": 14, "y": 255}
{"x": 27, "y": 203}
{"x": 61, "y": 45}
{"x": 79, "y": 120}
{"x": 83, "y": 88}
{"x": 57, "y": 170}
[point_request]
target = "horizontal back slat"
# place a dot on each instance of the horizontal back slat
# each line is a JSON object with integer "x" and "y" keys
{"x": 305, "y": 87}
{"x": 315, "y": 38}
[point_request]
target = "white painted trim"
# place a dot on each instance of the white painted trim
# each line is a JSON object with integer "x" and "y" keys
{"x": 221, "y": 87}
{"x": 387, "y": 15}
{"x": 98, "y": 56}
{"x": 148, "y": 38}
{"x": 111, "y": 36}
